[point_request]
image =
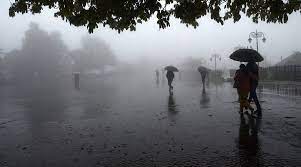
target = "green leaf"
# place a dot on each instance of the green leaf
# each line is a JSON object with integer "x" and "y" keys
{"x": 132, "y": 28}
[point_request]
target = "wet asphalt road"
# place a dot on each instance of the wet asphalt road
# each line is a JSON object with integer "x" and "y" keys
{"x": 137, "y": 123}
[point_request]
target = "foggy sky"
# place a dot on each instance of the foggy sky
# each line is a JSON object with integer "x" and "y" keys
{"x": 149, "y": 42}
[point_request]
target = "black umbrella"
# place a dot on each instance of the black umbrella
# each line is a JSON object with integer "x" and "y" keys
{"x": 246, "y": 55}
{"x": 171, "y": 68}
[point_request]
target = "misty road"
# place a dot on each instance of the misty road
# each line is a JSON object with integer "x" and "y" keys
{"x": 133, "y": 122}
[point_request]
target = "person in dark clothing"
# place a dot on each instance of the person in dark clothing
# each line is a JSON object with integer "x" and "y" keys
{"x": 157, "y": 74}
{"x": 170, "y": 76}
{"x": 76, "y": 80}
{"x": 253, "y": 71}
{"x": 203, "y": 75}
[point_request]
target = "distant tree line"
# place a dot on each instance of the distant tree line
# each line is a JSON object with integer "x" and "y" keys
{"x": 44, "y": 55}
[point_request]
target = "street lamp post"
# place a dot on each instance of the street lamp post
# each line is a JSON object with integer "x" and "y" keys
{"x": 256, "y": 35}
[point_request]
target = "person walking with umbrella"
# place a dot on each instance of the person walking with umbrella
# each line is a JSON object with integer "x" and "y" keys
{"x": 251, "y": 56}
{"x": 170, "y": 75}
{"x": 203, "y": 71}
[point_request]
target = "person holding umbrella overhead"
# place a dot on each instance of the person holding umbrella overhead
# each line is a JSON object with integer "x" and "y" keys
{"x": 251, "y": 56}
{"x": 203, "y": 71}
{"x": 170, "y": 75}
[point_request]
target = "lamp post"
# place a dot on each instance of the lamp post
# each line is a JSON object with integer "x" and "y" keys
{"x": 215, "y": 57}
{"x": 256, "y": 35}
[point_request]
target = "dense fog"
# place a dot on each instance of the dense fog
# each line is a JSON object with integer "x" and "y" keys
{"x": 150, "y": 97}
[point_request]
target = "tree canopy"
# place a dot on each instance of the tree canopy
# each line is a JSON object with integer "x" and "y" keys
{"x": 126, "y": 14}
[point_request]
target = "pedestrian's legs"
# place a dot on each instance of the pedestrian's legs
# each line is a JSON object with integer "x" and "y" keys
{"x": 169, "y": 82}
{"x": 244, "y": 103}
{"x": 253, "y": 96}
{"x": 250, "y": 96}
{"x": 241, "y": 102}
{"x": 241, "y": 107}
{"x": 203, "y": 81}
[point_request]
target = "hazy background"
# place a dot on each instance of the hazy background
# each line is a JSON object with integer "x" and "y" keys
{"x": 173, "y": 44}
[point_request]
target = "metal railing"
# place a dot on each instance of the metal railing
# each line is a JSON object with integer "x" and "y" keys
{"x": 281, "y": 73}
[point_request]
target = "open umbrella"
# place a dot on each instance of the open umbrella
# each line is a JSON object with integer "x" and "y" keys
{"x": 246, "y": 55}
{"x": 171, "y": 68}
{"x": 202, "y": 69}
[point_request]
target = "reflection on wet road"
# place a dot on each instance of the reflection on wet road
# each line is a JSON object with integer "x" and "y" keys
{"x": 138, "y": 123}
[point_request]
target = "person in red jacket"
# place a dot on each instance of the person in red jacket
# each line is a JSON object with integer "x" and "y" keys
{"x": 243, "y": 79}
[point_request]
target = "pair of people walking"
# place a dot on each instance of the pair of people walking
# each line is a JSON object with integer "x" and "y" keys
{"x": 246, "y": 82}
